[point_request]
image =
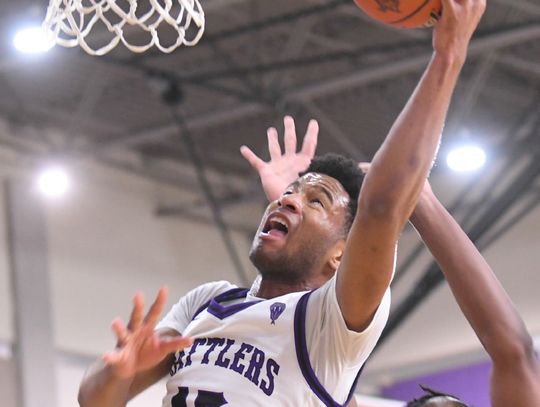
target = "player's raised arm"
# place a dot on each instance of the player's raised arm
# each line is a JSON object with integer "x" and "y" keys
{"x": 399, "y": 169}
{"x": 515, "y": 380}
{"x": 141, "y": 358}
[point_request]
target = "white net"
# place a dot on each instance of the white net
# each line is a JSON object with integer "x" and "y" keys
{"x": 69, "y": 23}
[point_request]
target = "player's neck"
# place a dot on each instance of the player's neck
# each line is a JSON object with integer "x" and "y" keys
{"x": 271, "y": 289}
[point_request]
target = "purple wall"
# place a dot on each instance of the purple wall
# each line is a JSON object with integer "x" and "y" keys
{"x": 469, "y": 383}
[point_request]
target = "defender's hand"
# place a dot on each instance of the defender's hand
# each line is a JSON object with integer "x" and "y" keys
{"x": 282, "y": 169}
{"x": 139, "y": 347}
{"x": 453, "y": 32}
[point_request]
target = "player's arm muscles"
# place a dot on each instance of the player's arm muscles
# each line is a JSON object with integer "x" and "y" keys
{"x": 515, "y": 378}
{"x": 101, "y": 388}
{"x": 390, "y": 190}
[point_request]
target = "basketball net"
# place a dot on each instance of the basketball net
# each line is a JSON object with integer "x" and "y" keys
{"x": 69, "y": 22}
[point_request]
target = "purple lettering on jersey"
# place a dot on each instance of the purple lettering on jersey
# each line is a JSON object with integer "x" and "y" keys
{"x": 236, "y": 366}
{"x": 221, "y": 359}
{"x": 178, "y": 364}
{"x": 272, "y": 368}
{"x": 255, "y": 366}
{"x": 212, "y": 343}
{"x": 196, "y": 342}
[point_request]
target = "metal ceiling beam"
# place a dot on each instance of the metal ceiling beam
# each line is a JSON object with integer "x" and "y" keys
{"x": 520, "y": 184}
{"x": 524, "y": 126}
{"x": 523, "y": 5}
{"x": 275, "y": 20}
{"x": 197, "y": 122}
{"x": 93, "y": 90}
{"x": 533, "y": 202}
{"x": 213, "y": 203}
{"x": 507, "y": 37}
{"x": 433, "y": 275}
{"x": 479, "y": 45}
{"x": 62, "y": 115}
{"x": 373, "y": 74}
{"x": 28, "y": 155}
{"x": 520, "y": 64}
{"x": 227, "y": 34}
{"x": 336, "y": 133}
{"x": 474, "y": 87}
{"x": 297, "y": 40}
{"x": 33, "y": 151}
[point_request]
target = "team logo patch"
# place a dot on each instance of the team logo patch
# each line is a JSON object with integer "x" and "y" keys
{"x": 385, "y": 5}
{"x": 276, "y": 309}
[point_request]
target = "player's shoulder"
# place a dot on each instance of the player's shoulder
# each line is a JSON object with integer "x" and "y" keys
{"x": 211, "y": 289}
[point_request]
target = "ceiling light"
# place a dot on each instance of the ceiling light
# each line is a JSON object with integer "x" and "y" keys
{"x": 466, "y": 158}
{"x": 53, "y": 182}
{"x": 32, "y": 40}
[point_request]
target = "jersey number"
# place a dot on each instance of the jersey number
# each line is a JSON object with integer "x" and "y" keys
{"x": 204, "y": 398}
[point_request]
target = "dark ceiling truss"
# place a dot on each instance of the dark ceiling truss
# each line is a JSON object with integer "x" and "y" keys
{"x": 514, "y": 146}
{"x": 215, "y": 206}
{"x": 247, "y": 29}
{"x": 494, "y": 40}
{"x": 519, "y": 187}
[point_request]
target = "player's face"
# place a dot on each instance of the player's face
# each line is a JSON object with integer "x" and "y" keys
{"x": 298, "y": 229}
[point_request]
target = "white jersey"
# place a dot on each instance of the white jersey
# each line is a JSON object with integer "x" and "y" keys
{"x": 292, "y": 350}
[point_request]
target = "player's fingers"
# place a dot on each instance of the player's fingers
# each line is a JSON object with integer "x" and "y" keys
{"x": 169, "y": 345}
{"x": 155, "y": 309}
{"x": 273, "y": 144}
{"x": 448, "y": 7}
{"x": 290, "y": 135}
{"x": 137, "y": 312}
{"x": 252, "y": 158}
{"x": 120, "y": 331}
{"x": 111, "y": 358}
{"x": 310, "y": 139}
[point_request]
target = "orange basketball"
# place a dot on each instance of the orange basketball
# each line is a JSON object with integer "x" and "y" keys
{"x": 403, "y": 13}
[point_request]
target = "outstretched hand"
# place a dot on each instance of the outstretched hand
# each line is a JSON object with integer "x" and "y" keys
{"x": 458, "y": 21}
{"x": 282, "y": 169}
{"x": 139, "y": 347}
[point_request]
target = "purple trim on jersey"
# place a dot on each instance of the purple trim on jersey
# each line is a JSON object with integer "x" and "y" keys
{"x": 201, "y": 309}
{"x": 303, "y": 357}
{"x": 223, "y": 311}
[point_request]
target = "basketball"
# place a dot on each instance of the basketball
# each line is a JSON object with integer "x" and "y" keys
{"x": 403, "y": 13}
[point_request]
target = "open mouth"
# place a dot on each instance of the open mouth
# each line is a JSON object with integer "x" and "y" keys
{"x": 275, "y": 227}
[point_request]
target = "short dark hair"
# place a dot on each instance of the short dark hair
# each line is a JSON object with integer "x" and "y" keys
{"x": 346, "y": 171}
{"x": 430, "y": 395}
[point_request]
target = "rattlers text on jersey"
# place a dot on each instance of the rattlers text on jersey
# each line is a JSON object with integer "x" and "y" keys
{"x": 292, "y": 350}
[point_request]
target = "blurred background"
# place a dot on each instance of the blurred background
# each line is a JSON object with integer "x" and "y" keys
{"x": 122, "y": 173}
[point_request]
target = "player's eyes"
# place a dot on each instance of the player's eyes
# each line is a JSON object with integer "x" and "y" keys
{"x": 317, "y": 201}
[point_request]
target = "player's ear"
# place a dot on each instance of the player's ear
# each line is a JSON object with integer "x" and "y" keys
{"x": 335, "y": 254}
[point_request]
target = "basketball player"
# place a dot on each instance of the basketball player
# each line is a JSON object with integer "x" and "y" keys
{"x": 482, "y": 299}
{"x": 515, "y": 378}
{"x": 301, "y": 335}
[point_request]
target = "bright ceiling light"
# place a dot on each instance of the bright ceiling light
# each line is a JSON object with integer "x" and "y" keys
{"x": 53, "y": 182}
{"x": 466, "y": 158}
{"x": 32, "y": 40}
